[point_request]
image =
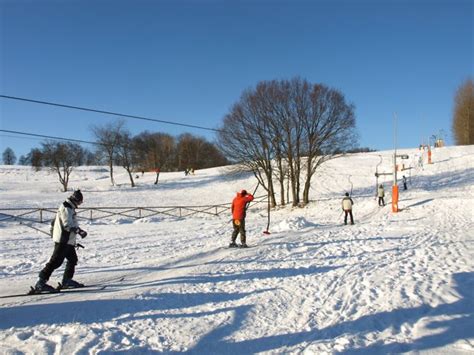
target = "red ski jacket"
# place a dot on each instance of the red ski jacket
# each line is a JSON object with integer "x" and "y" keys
{"x": 238, "y": 205}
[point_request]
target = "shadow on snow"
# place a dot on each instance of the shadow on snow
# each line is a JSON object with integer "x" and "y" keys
{"x": 457, "y": 319}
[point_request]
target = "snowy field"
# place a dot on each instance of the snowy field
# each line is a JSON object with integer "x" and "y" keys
{"x": 392, "y": 283}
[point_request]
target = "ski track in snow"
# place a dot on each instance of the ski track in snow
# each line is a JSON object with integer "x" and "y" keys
{"x": 392, "y": 283}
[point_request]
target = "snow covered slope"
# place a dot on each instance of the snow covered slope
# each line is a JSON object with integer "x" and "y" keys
{"x": 392, "y": 283}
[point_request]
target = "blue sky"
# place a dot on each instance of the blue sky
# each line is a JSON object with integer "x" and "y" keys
{"x": 189, "y": 61}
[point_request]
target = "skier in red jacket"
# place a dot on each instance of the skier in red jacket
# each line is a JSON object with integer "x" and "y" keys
{"x": 239, "y": 207}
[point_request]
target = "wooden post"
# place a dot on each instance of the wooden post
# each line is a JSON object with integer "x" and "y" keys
{"x": 41, "y": 215}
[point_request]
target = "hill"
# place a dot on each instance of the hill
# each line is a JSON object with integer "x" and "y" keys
{"x": 392, "y": 283}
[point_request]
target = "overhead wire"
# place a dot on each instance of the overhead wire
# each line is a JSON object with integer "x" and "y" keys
{"x": 50, "y": 137}
{"x": 105, "y": 112}
{"x": 41, "y": 136}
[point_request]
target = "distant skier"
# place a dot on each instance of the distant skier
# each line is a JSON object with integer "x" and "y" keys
{"x": 347, "y": 208}
{"x": 381, "y": 195}
{"x": 404, "y": 183}
{"x": 239, "y": 207}
{"x": 64, "y": 237}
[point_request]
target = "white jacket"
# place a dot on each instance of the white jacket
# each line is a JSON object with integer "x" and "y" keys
{"x": 64, "y": 221}
{"x": 347, "y": 203}
{"x": 380, "y": 192}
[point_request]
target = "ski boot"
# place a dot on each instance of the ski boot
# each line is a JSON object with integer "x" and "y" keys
{"x": 233, "y": 245}
{"x": 243, "y": 245}
{"x": 42, "y": 287}
{"x": 70, "y": 283}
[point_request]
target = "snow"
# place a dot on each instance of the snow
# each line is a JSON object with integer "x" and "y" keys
{"x": 392, "y": 283}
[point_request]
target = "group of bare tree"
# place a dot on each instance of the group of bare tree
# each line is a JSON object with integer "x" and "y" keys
{"x": 284, "y": 130}
{"x": 61, "y": 157}
{"x": 154, "y": 151}
{"x": 463, "y": 116}
{"x": 115, "y": 145}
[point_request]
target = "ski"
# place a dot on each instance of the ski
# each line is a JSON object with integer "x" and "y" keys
{"x": 85, "y": 288}
{"x": 238, "y": 247}
{"x": 33, "y": 292}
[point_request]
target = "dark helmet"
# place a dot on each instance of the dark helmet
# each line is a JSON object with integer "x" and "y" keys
{"x": 347, "y": 193}
{"x": 76, "y": 197}
{"x": 243, "y": 192}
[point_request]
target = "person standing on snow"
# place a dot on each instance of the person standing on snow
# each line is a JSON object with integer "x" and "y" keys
{"x": 239, "y": 207}
{"x": 404, "y": 182}
{"x": 64, "y": 233}
{"x": 381, "y": 195}
{"x": 347, "y": 208}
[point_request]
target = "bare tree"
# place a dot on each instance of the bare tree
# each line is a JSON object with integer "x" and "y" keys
{"x": 328, "y": 126}
{"x": 245, "y": 139}
{"x": 9, "y": 157}
{"x": 186, "y": 150}
{"x": 463, "y": 117}
{"x": 61, "y": 158}
{"x": 198, "y": 153}
{"x": 35, "y": 157}
{"x": 156, "y": 152}
{"x": 209, "y": 156}
{"x": 287, "y": 129}
{"x": 23, "y": 160}
{"x": 108, "y": 138}
{"x": 127, "y": 154}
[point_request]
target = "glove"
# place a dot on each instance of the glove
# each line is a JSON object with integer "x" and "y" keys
{"x": 82, "y": 233}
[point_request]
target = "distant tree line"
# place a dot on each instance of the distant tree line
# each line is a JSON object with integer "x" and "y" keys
{"x": 115, "y": 145}
{"x": 463, "y": 115}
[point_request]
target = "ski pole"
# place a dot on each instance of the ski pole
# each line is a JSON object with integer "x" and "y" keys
{"x": 352, "y": 185}
{"x": 254, "y": 191}
{"x": 268, "y": 214}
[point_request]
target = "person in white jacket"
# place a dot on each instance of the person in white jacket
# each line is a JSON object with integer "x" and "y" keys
{"x": 347, "y": 208}
{"x": 64, "y": 233}
{"x": 381, "y": 195}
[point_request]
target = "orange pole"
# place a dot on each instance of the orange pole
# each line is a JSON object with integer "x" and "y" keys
{"x": 395, "y": 198}
{"x": 429, "y": 156}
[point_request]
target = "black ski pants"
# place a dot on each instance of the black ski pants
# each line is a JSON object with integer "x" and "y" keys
{"x": 348, "y": 212}
{"x": 381, "y": 201}
{"x": 239, "y": 228}
{"x": 61, "y": 252}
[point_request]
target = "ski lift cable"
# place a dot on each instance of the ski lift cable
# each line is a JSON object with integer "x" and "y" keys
{"x": 352, "y": 185}
{"x": 87, "y": 109}
{"x": 49, "y": 137}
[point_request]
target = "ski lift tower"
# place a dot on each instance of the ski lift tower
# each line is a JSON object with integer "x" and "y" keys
{"x": 394, "y": 186}
{"x": 395, "y": 167}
